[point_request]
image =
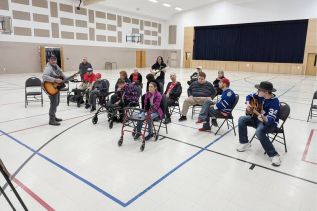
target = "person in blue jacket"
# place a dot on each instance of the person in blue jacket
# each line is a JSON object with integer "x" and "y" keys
{"x": 213, "y": 109}
{"x": 264, "y": 123}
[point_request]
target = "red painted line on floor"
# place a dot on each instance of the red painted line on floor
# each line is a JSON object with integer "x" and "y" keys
{"x": 28, "y": 128}
{"x": 307, "y": 147}
{"x": 33, "y": 195}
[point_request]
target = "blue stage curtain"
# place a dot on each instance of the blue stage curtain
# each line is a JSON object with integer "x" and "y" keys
{"x": 279, "y": 41}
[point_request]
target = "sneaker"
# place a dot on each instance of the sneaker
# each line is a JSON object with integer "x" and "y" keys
{"x": 167, "y": 120}
{"x": 214, "y": 122}
{"x": 199, "y": 121}
{"x": 243, "y": 147}
{"x": 58, "y": 119}
{"x": 87, "y": 106}
{"x": 148, "y": 137}
{"x": 54, "y": 123}
{"x": 205, "y": 129}
{"x": 276, "y": 160}
{"x": 92, "y": 109}
{"x": 183, "y": 118}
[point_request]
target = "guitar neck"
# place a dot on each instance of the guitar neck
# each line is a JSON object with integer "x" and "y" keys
{"x": 256, "y": 112}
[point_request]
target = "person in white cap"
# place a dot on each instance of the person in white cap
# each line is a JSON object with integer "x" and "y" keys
{"x": 194, "y": 76}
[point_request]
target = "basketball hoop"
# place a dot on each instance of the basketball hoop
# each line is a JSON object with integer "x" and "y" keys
{"x": 134, "y": 38}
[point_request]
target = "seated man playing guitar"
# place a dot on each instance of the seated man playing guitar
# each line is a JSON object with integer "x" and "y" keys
{"x": 53, "y": 73}
{"x": 263, "y": 111}
{"x": 158, "y": 70}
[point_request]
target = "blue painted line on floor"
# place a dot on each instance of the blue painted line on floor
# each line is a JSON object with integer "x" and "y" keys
{"x": 103, "y": 192}
{"x": 67, "y": 171}
{"x": 174, "y": 169}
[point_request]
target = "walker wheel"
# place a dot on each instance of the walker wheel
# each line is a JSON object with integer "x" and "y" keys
{"x": 142, "y": 147}
{"x": 111, "y": 124}
{"x": 120, "y": 142}
{"x": 95, "y": 120}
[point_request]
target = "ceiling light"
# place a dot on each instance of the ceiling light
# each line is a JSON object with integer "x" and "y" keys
{"x": 178, "y": 9}
{"x": 166, "y": 5}
{"x": 153, "y": 1}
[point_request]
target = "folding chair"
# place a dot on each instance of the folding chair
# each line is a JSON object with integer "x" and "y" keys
{"x": 33, "y": 88}
{"x": 274, "y": 136}
{"x": 229, "y": 119}
{"x": 313, "y": 108}
{"x": 175, "y": 108}
{"x": 161, "y": 122}
{"x": 195, "y": 108}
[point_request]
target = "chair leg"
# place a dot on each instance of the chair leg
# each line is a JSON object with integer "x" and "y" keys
{"x": 234, "y": 128}
{"x": 227, "y": 124}
{"x": 309, "y": 114}
{"x": 284, "y": 142}
{"x": 252, "y": 138}
{"x": 193, "y": 111}
{"x": 220, "y": 126}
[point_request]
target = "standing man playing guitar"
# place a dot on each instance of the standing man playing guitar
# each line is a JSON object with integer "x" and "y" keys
{"x": 159, "y": 70}
{"x": 263, "y": 111}
{"x": 53, "y": 73}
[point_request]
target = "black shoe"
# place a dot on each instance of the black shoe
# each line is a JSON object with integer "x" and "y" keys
{"x": 214, "y": 122}
{"x": 167, "y": 120}
{"x": 58, "y": 119}
{"x": 148, "y": 137}
{"x": 136, "y": 136}
{"x": 183, "y": 118}
{"x": 92, "y": 109}
{"x": 87, "y": 106}
{"x": 54, "y": 123}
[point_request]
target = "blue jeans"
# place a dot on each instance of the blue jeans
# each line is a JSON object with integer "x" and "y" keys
{"x": 208, "y": 112}
{"x": 149, "y": 126}
{"x": 261, "y": 132}
{"x": 203, "y": 114}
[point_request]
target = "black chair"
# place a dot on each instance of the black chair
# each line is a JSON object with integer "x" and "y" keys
{"x": 313, "y": 108}
{"x": 35, "y": 84}
{"x": 174, "y": 108}
{"x": 274, "y": 136}
{"x": 229, "y": 119}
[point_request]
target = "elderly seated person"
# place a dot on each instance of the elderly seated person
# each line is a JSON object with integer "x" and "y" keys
{"x": 98, "y": 87}
{"x": 173, "y": 92}
{"x": 127, "y": 94}
{"x": 194, "y": 76}
{"x": 136, "y": 77}
{"x": 221, "y": 75}
{"x": 198, "y": 93}
{"x": 88, "y": 81}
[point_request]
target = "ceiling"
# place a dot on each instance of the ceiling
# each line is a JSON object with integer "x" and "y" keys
{"x": 149, "y": 9}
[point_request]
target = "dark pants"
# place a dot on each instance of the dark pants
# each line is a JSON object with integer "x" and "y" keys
{"x": 54, "y": 102}
{"x": 261, "y": 132}
{"x": 169, "y": 102}
{"x": 94, "y": 94}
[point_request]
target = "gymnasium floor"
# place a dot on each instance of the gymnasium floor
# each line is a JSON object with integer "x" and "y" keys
{"x": 79, "y": 166}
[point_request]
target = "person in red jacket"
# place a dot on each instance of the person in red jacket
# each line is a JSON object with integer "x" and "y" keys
{"x": 88, "y": 82}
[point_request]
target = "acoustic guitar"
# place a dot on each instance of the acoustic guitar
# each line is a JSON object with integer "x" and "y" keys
{"x": 53, "y": 88}
{"x": 256, "y": 108}
{"x": 156, "y": 72}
